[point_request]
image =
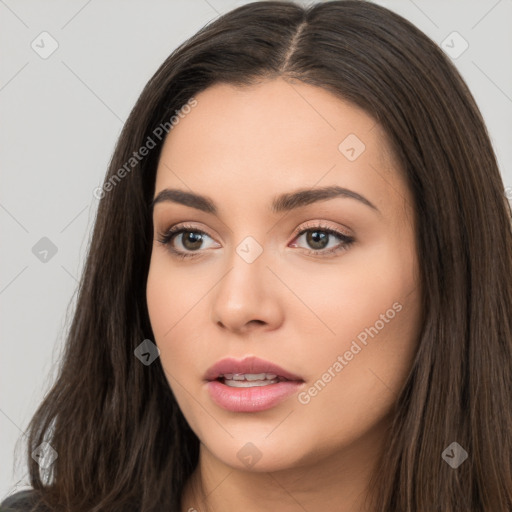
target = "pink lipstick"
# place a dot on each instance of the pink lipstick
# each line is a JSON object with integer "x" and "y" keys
{"x": 250, "y": 384}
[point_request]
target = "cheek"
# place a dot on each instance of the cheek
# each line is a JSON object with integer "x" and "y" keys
{"x": 371, "y": 305}
{"x": 377, "y": 332}
{"x": 168, "y": 316}
{"x": 369, "y": 290}
{"x": 170, "y": 295}
{"x": 358, "y": 382}
{"x": 176, "y": 301}
{"x": 168, "y": 301}
{"x": 159, "y": 298}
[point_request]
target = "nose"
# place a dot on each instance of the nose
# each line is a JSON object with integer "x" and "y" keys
{"x": 248, "y": 296}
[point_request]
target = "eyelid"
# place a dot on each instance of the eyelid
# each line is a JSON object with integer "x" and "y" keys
{"x": 313, "y": 224}
{"x": 182, "y": 226}
{"x": 320, "y": 224}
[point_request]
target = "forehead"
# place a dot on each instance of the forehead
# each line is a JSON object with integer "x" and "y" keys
{"x": 275, "y": 136}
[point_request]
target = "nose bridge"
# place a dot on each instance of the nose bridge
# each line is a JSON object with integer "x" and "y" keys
{"x": 245, "y": 292}
{"x": 247, "y": 263}
{"x": 249, "y": 250}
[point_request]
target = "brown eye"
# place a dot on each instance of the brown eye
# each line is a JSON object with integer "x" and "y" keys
{"x": 317, "y": 239}
{"x": 184, "y": 241}
{"x": 191, "y": 240}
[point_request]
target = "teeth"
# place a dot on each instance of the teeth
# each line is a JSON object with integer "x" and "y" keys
{"x": 255, "y": 376}
{"x": 247, "y": 380}
{"x": 249, "y": 384}
{"x": 249, "y": 376}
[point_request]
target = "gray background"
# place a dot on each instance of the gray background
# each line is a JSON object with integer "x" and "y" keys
{"x": 61, "y": 116}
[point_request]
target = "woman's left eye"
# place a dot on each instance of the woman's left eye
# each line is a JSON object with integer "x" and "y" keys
{"x": 318, "y": 237}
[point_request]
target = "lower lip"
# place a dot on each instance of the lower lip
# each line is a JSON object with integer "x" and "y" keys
{"x": 255, "y": 399}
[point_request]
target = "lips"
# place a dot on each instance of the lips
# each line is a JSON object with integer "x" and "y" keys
{"x": 252, "y": 365}
{"x": 250, "y": 385}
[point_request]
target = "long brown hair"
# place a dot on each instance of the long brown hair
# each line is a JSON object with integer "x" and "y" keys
{"x": 121, "y": 439}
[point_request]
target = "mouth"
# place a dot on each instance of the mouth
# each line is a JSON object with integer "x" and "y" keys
{"x": 250, "y": 384}
{"x": 252, "y": 371}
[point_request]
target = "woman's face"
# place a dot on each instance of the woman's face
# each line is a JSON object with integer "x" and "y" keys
{"x": 337, "y": 313}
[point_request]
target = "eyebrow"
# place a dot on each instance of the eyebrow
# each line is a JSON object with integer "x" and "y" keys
{"x": 282, "y": 203}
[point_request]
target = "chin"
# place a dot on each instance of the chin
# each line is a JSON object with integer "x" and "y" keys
{"x": 260, "y": 454}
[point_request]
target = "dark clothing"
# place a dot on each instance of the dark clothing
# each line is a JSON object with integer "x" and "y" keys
{"x": 21, "y": 501}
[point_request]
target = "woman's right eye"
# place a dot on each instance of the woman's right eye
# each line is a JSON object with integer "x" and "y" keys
{"x": 190, "y": 239}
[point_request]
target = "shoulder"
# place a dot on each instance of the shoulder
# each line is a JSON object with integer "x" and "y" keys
{"x": 21, "y": 501}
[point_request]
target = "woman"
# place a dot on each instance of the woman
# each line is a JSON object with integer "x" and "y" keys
{"x": 299, "y": 287}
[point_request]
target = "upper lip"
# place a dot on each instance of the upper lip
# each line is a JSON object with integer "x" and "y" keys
{"x": 247, "y": 365}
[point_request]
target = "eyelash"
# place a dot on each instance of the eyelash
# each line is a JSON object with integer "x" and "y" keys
{"x": 166, "y": 237}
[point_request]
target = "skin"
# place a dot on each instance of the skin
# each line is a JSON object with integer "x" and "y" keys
{"x": 241, "y": 147}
